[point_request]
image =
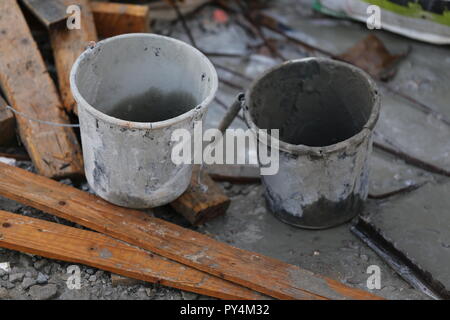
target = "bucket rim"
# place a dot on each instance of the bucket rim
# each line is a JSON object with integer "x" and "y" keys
{"x": 302, "y": 149}
{"x": 192, "y": 113}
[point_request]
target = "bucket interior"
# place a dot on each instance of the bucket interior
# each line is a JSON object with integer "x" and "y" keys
{"x": 312, "y": 102}
{"x": 144, "y": 78}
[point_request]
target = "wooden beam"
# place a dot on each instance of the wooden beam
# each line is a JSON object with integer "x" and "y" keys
{"x": 201, "y": 203}
{"x": 68, "y": 45}
{"x": 249, "y": 269}
{"x": 49, "y": 12}
{"x": 7, "y": 124}
{"x": 55, "y": 241}
{"x": 113, "y": 19}
{"x": 28, "y": 87}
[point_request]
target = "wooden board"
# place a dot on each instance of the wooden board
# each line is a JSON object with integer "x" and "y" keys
{"x": 201, "y": 203}
{"x": 28, "y": 87}
{"x": 112, "y": 19}
{"x": 68, "y": 45}
{"x": 55, "y": 241}
{"x": 249, "y": 269}
{"x": 7, "y": 124}
{"x": 49, "y": 12}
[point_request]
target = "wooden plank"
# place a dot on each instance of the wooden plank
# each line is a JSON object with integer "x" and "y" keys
{"x": 49, "y": 12}
{"x": 68, "y": 45}
{"x": 7, "y": 124}
{"x": 112, "y": 19}
{"x": 249, "y": 269}
{"x": 55, "y": 241}
{"x": 203, "y": 202}
{"x": 28, "y": 87}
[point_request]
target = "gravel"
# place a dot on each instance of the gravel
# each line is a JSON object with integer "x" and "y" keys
{"x": 40, "y": 264}
{"x": 43, "y": 292}
{"x": 28, "y": 282}
{"x": 41, "y": 278}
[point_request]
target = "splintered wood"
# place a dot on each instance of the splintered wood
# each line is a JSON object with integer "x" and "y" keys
{"x": 68, "y": 45}
{"x": 201, "y": 203}
{"x": 249, "y": 269}
{"x": 60, "y": 242}
{"x": 7, "y": 124}
{"x": 27, "y": 85}
{"x": 113, "y": 19}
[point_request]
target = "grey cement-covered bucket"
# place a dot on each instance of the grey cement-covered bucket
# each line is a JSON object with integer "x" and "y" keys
{"x": 132, "y": 92}
{"x": 326, "y": 111}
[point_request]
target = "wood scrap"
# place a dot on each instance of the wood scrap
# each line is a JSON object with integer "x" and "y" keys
{"x": 7, "y": 124}
{"x": 371, "y": 55}
{"x": 112, "y": 19}
{"x": 27, "y": 85}
{"x": 201, "y": 202}
{"x": 56, "y": 241}
{"x": 68, "y": 45}
{"x": 255, "y": 271}
{"x": 50, "y": 12}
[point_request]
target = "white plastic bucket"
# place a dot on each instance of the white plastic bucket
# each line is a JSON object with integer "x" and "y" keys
{"x": 132, "y": 92}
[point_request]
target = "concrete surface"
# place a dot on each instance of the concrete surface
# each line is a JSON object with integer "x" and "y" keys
{"x": 417, "y": 224}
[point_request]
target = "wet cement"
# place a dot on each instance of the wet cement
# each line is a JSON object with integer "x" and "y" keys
{"x": 152, "y": 106}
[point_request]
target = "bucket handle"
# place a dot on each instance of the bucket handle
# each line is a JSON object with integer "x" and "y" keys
{"x": 232, "y": 112}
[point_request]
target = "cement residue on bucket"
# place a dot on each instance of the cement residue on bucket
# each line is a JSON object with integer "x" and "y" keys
{"x": 132, "y": 92}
